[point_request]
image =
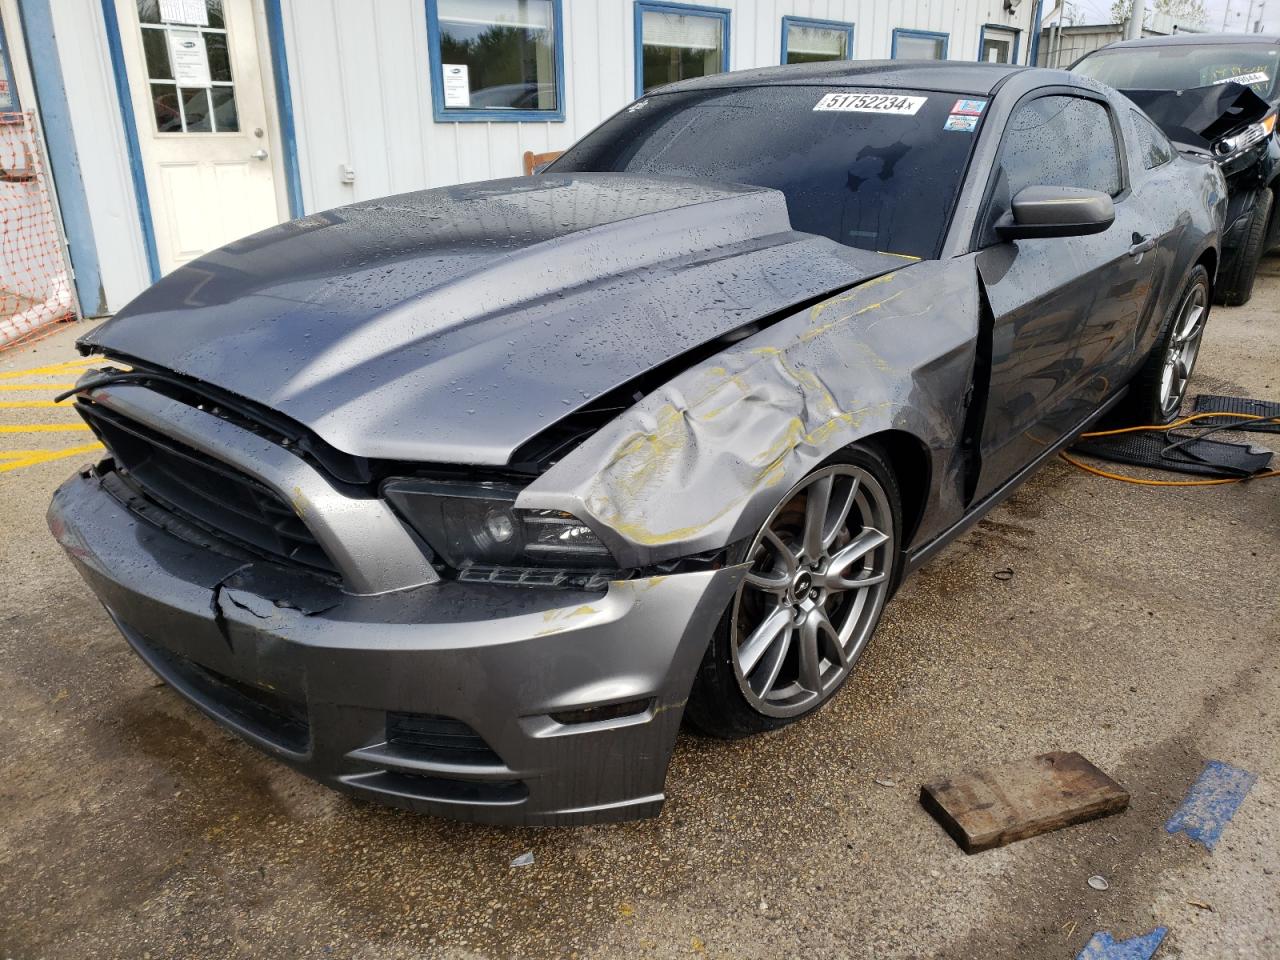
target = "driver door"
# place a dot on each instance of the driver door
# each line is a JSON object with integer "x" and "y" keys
{"x": 1064, "y": 309}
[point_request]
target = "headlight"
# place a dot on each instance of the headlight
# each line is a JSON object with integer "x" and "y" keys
{"x": 478, "y": 523}
{"x": 1252, "y": 134}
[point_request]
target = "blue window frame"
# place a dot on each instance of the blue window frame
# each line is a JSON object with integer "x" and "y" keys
{"x": 907, "y": 42}
{"x": 1011, "y": 33}
{"x": 695, "y": 40}
{"x": 834, "y": 29}
{"x": 525, "y": 85}
{"x": 9, "y": 102}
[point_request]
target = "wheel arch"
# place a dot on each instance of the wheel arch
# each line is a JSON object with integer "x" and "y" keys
{"x": 912, "y": 466}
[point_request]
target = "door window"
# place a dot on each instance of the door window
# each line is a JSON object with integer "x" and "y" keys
{"x": 1061, "y": 142}
{"x": 188, "y": 66}
{"x": 676, "y": 44}
{"x": 1055, "y": 141}
{"x": 997, "y": 45}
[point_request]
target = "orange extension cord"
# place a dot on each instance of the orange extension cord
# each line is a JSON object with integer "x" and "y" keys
{"x": 1168, "y": 483}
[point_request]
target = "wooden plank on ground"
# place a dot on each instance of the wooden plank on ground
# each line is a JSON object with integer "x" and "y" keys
{"x": 990, "y": 808}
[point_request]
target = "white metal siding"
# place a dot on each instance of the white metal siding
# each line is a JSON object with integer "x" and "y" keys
{"x": 362, "y": 97}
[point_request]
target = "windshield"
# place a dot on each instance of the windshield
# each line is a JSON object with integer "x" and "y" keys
{"x": 1183, "y": 66}
{"x": 878, "y": 170}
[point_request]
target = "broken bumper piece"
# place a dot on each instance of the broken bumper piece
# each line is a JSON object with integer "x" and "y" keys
{"x": 473, "y": 701}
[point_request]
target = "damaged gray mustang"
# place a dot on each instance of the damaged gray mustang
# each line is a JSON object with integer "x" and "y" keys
{"x": 462, "y": 499}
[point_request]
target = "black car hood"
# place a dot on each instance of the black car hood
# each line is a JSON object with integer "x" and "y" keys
{"x": 453, "y": 325}
{"x": 1201, "y": 116}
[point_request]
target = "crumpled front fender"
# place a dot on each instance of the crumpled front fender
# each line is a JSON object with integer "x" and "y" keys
{"x": 700, "y": 462}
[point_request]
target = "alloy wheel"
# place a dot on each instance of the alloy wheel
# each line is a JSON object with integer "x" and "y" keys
{"x": 1184, "y": 347}
{"x": 819, "y": 577}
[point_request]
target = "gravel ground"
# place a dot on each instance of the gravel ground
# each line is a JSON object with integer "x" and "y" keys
{"x": 1140, "y": 627}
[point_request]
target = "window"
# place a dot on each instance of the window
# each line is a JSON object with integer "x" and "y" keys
{"x": 188, "y": 66}
{"x": 997, "y": 44}
{"x": 8, "y": 92}
{"x": 1055, "y": 142}
{"x": 811, "y": 41}
{"x": 919, "y": 45}
{"x": 496, "y": 59}
{"x": 876, "y": 181}
{"x": 676, "y": 41}
{"x": 1177, "y": 66}
{"x": 1061, "y": 142}
{"x": 1154, "y": 146}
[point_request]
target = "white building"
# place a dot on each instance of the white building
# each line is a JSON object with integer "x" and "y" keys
{"x": 174, "y": 126}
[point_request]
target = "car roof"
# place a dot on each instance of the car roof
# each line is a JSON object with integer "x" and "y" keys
{"x": 1194, "y": 39}
{"x": 944, "y": 76}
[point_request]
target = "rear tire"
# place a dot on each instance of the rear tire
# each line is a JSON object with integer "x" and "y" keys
{"x": 1157, "y": 392}
{"x": 823, "y": 566}
{"x": 1236, "y": 287}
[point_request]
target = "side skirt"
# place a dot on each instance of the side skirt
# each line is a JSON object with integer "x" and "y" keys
{"x": 922, "y": 554}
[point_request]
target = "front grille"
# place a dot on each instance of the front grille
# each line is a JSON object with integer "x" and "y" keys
{"x": 207, "y": 492}
{"x": 430, "y": 737}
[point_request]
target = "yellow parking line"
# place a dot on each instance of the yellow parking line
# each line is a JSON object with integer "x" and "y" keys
{"x": 30, "y": 404}
{"x": 36, "y": 386}
{"x": 44, "y": 456}
{"x": 43, "y": 428}
{"x": 52, "y": 369}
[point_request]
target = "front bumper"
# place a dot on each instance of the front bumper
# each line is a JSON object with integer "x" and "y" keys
{"x": 318, "y": 678}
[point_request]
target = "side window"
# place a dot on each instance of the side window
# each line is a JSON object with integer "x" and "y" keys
{"x": 1154, "y": 146}
{"x": 1054, "y": 141}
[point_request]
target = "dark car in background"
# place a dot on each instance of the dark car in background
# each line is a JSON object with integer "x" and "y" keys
{"x": 1217, "y": 94}
{"x": 462, "y": 499}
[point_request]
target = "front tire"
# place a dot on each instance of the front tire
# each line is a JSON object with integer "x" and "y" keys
{"x": 822, "y": 566}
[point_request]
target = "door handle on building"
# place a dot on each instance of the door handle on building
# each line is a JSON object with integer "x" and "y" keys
{"x": 259, "y": 154}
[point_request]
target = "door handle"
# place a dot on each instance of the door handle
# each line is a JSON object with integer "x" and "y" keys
{"x": 1142, "y": 245}
{"x": 259, "y": 154}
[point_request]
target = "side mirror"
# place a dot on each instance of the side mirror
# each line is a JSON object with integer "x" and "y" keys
{"x": 1056, "y": 212}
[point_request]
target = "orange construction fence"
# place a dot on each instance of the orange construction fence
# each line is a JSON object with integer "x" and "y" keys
{"x": 35, "y": 285}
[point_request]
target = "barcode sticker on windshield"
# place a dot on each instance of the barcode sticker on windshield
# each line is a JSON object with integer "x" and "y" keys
{"x": 871, "y": 103}
{"x": 1246, "y": 79}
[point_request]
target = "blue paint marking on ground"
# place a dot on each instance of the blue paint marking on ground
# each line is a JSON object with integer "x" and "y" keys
{"x": 1211, "y": 803}
{"x": 1102, "y": 947}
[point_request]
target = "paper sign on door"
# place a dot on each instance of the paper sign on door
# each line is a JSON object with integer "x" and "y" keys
{"x": 190, "y": 62}
{"x": 184, "y": 11}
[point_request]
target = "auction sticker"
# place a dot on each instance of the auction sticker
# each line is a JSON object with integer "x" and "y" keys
{"x": 871, "y": 103}
{"x": 1246, "y": 79}
{"x": 969, "y": 108}
{"x": 959, "y": 122}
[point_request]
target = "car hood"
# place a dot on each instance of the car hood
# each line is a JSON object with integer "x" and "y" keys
{"x": 1201, "y": 116}
{"x": 453, "y": 325}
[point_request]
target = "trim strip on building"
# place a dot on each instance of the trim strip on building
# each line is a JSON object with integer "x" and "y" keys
{"x": 654, "y": 6}
{"x": 284, "y": 107}
{"x": 789, "y": 22}
{"x": 435, "y": 65}
{"x": 923, "y": 35}
{"x": 136, "y": 171}
{"x": 64, "y": 160}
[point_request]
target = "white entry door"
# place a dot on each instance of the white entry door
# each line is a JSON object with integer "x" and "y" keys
{"x": 201, "y": 114}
